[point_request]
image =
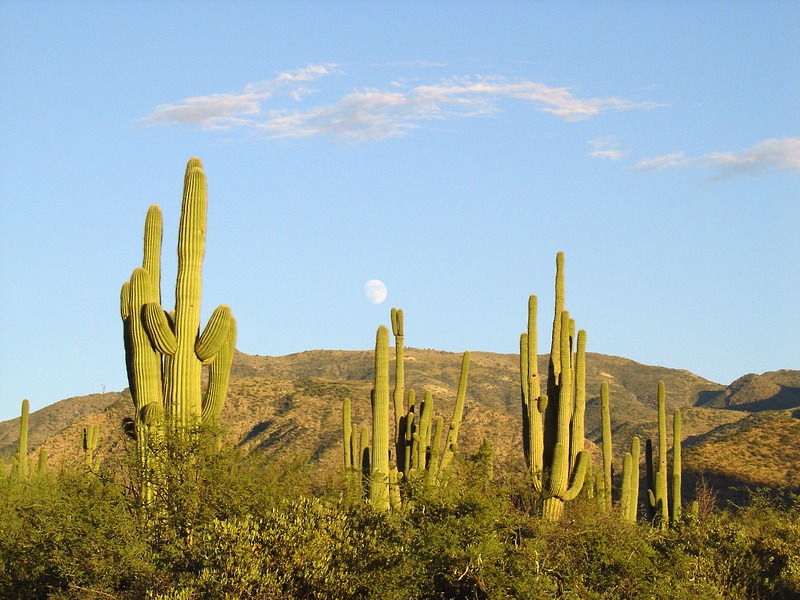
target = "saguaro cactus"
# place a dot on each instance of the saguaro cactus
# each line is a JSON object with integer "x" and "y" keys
{"x": 677, "y": 500}
{"x": 22, "y": 449}
{"x": 165, "y": 351}
{"x": 379, "y": 460}
{"x": 91, "y": 434}
{"x": 553, "y": 423}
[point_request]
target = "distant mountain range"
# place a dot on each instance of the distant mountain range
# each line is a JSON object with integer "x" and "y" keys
{"x": 744, "y": 435}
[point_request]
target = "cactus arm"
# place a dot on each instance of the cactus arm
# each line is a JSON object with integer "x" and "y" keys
{"x": 662, "y": 453}
{"x": 579, "y": 470}
{"x": 525, "y": 398}
{"x": 605, "y": 413}
{"x": 627, "y": 477}
{"x": 633, "y": 505}
{"x": 41, "y": 468}
{"x": 91, "y": 435}
{"x": 675, "y": 505}
{"x": 215, "y": 335}
{"x": 565, "y": 388}
{"x": 145, "y": 359}
{"x": 399, "y": 378}
{"x": 411, "y": 426}
{"x": 555, "y": 346}
{"x": 578, "y": 432}
{"x": 160, "y": 329}
{"x": 219, "y": 375}
{"x": 347, "y": 434}
{"x": 432, "y": 472}
{"x": 458, "y": 413}
{"x": 151, "y": 261}
{"x": 650, "y": 478}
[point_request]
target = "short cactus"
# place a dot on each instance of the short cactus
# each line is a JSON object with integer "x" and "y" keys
{"x": 91, "y": 434}
{"x": 22, "y": 448}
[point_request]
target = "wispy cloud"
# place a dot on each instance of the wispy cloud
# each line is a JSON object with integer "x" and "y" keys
{"x": 774, "y": 154}
{"x": 223, "y": 111}
{"x": 607, "y": 148}
{"x": 370, "y": 114}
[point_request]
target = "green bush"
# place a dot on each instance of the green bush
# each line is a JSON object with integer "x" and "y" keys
{"x": 227, "y": 525}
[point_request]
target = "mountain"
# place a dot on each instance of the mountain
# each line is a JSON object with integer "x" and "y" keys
{"x": 736, "y": 435}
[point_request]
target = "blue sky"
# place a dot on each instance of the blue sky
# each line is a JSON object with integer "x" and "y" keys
{"x": 448, "y": 149}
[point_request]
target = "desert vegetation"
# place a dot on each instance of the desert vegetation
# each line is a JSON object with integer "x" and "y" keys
{"x": 178, "y": 505}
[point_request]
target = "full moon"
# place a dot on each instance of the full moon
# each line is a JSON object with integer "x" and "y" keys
{"x": 375, "y": 291}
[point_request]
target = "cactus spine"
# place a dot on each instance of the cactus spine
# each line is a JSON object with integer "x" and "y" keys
{"x": 553, "y": 427}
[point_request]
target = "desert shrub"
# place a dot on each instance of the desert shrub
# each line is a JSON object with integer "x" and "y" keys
{"x": 304, "y": 548}
{"x": 752, "y": 552}
{"x": 66, "y": 533}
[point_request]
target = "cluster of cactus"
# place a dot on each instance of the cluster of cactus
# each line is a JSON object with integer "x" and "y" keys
{"x": 165, "y": 351}
{"x": 417, "y": 439}
{"x": 553, "y": 422}
{"x": 629, "y": 493}
{"x": 661, "y": 509}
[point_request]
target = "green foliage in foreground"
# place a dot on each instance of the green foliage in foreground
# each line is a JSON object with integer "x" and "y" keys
{"x": 234, "y": 527}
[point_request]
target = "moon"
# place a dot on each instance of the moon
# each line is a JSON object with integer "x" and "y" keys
{"x": 375, "y": 291}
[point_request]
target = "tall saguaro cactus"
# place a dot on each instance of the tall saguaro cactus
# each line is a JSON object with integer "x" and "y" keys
{"x": 379, "y": 460}
{"x": 553, "y": 423}
{"x": 166, "y": 351}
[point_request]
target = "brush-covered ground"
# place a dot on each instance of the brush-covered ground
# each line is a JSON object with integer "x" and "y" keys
{"x": 272, "y": 515}
{"x": 238, "y": 525}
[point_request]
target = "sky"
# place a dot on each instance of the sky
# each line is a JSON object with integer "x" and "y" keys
{"x": 447, "y": 149}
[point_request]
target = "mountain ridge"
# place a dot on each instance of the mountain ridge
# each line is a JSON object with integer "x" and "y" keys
{"x": 292, "y": 404}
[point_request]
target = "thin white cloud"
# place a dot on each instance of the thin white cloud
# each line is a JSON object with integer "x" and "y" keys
{"x": 774, "y": 154}
{"x": 668, "y": 161}
{"x": 223, "y": 111}
{"x": 607, "y": 148}
{"x": 375, "y": 114}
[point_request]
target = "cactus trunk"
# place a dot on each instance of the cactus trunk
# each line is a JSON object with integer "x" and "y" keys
{"x": 379, "y": 475}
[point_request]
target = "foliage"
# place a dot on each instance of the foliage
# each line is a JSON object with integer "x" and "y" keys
{"x": 235, "y": 526}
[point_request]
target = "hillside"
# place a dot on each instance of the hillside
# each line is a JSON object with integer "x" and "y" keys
{"x": 292, "y": 404}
